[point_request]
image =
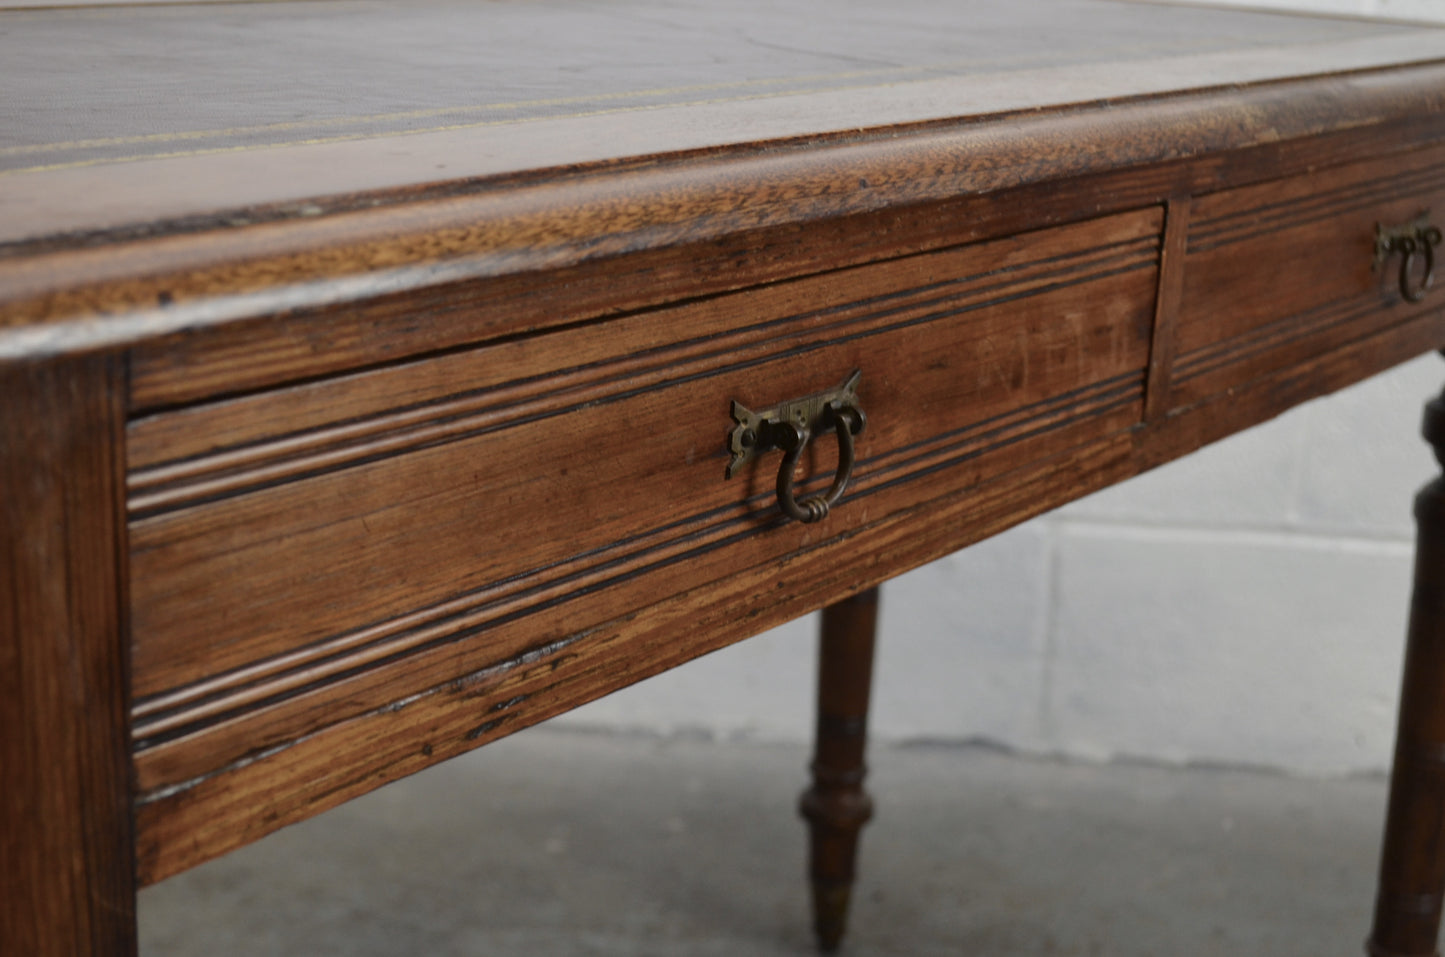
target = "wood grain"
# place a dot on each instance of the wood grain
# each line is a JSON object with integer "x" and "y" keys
{"x": 147, "y": 288}
{"x": 181, "y": 827}
{"x": 375, "y": 321}
{"x": 1162, "y": 342}
{"x": 414, "y": 458}
{"x": 202, "y": 471}
{"x": 66, "y": 853}
{"x": 1276, "y": 265}
{"x": 474, "y": 699}
{"x": 501, "y": 699}
{"x": 213, "y": 450}
{"x": 371, "y": 577}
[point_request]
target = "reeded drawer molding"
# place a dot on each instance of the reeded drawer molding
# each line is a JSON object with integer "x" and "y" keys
{"x": 1286, "y": 266}
{"x": 1027, "y": 354}
{"x": 362, "y": 561}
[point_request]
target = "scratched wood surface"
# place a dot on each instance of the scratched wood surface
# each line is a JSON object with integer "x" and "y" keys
{"x": 1239, "y": 318}
{"x": 234, "y": 308}
{"x": 444, "y": 515}
{"x": 425, "y": 360}
{"x": 606, "y": 646}
{"x": 68, "y": 884}
{"x": 455, "y": 535}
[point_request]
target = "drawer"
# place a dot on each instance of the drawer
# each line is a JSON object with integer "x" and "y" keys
{"x": 1288, "y": 267}
{"x": 382, "y": 532}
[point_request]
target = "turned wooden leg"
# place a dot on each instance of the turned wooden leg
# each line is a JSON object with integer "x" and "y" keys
{"x": 67, "y": 863}
{"x": 1412, "y": 867}
{"x": 836, "y": 806}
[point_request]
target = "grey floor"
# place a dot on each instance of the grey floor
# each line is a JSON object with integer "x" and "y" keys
{"x": 565, "y": 842}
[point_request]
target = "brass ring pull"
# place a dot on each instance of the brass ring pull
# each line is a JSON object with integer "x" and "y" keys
{"x": 1423, "y": 244}
{"x": 815, "y": 508}
{"x": 790, "y": 426}
{"x": 1415, "y": 239}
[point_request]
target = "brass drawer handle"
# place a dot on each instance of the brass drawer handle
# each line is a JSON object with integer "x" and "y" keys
{"x": 1415, "y": 238}
{"x": 788, "y": 426}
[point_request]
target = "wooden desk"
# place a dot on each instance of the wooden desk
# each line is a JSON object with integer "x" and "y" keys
{"x": 371, "y": 377}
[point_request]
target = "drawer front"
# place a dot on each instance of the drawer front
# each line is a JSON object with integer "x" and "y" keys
{"x": 1291, "y": 267}
{"x": 309, "y": 553}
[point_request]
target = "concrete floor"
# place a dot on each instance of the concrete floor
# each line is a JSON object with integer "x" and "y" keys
{"x": 573, "y": 843}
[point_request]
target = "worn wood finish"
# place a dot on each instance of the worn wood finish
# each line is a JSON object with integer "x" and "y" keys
{"x": 960, "y": 353}
{"x": 1237, "y": 319}
{"x": 836, "y": 806}
{"x": 67, "y": 884}
{"x": 1166, "y": 307}
{"x": 475, "y": 699}
{"x": 1412, "y": 868}
{"x": 314, "y": 279}
{"x": 414, "y": 459}
{"x": 333, "y": 614}
{"x": 466, "y": 708}
{"x": 401, "y": 586}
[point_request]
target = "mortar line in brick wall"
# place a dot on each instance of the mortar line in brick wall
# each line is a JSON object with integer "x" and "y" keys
{"x": 1049, "y": 623}
{"x": 1282, "y": 535}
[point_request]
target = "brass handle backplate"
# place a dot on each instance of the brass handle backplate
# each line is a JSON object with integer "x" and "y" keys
{"x": 788, "y": 426}
{"x": 1416, "y": 239}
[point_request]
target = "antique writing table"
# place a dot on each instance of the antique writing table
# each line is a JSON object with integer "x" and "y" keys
{"x": 378, "y": 381}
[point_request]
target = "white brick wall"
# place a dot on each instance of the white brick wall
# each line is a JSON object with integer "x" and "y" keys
{"x": 1245, "y": 605}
